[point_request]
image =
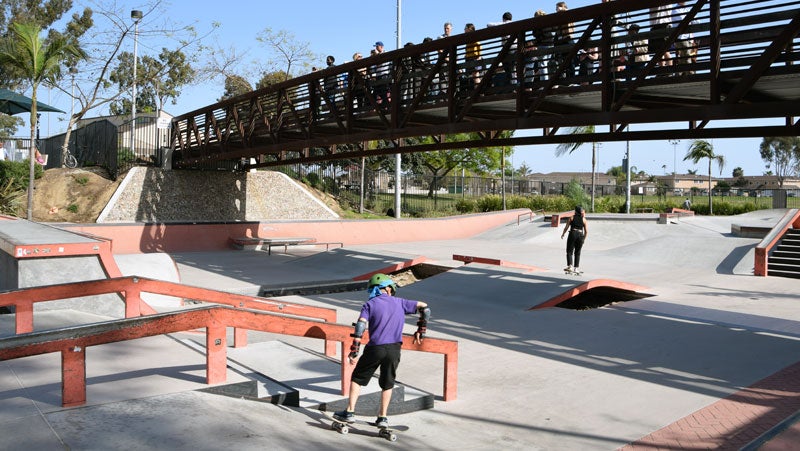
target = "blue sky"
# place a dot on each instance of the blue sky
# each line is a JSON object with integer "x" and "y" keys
{"x": 342, "y": 27}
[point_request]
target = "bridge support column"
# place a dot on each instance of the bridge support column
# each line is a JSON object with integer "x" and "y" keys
{"x": 73, "y": 376}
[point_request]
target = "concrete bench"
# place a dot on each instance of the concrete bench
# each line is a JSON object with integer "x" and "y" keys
{"x": 663, "y": 218}
{"x": 256, "y": 243}
{"x": 556, "y": 219}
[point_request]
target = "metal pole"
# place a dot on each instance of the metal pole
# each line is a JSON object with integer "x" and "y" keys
{"x": 397, "y": 157}
{"x": 628, "y": 177}
{"x": 503, "y": 177}
{"x": 136, "y": 15}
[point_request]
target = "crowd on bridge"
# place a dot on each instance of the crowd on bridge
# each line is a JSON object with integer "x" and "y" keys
{"x": 544, "y": 55}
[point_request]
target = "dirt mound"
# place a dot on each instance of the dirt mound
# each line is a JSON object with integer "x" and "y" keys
{"x": 72, "y": 195}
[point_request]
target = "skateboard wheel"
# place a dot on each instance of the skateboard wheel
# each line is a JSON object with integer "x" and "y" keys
{"x": 344, "y": 430}
{"x": 392, "y": 437}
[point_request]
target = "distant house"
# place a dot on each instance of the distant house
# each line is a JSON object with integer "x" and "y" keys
{"x": 684, "y": 183}
{"x": 762, "y": 182}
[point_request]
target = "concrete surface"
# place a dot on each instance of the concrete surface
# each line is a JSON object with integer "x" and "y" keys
{"x": 552, "y": 379}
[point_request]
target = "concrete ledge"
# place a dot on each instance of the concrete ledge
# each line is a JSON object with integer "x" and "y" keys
{"x": 467, "y": 259}
{"x": 195, "y": 237}
{"x": 749, "y": 231}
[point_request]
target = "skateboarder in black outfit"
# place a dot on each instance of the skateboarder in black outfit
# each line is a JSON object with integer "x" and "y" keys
{"x": 577, "y": 235}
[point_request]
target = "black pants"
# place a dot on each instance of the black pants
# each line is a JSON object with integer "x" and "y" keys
{"x": 574, "y": 245}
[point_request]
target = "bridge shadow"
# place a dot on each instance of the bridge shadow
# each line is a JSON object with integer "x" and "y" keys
{"x": 163, "y": 198}
{"x": 679, "y": 351}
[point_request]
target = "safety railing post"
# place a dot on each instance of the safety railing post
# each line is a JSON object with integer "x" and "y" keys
{"x": 73, "y": 376}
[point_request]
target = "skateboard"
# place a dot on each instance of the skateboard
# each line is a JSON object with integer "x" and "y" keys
{"x": 343, "y": 427}
{"x": 573, "y": 272}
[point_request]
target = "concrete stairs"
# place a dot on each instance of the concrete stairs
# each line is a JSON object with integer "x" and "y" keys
{"x": 784, "y": 261}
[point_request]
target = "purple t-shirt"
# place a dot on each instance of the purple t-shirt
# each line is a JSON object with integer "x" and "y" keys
{"x": 386, "y": 316}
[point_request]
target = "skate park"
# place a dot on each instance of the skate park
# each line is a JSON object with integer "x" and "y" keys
{"x": 680, "y": 345}
{"x": 701, "y": 332}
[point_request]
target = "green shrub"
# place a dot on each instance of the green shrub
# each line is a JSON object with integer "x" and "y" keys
{"x": 72, "y": 208}
{"x": 490, "y": 202}
{"x": 11, "y": 198}
{"x": 312, "y": 180}
{"x": 513, "y": 202}
{"x": 574, "y": 191}
{"x": 125, "y": 156}
{"x": 465, "y": 206}
{"x": 18, "y": 171}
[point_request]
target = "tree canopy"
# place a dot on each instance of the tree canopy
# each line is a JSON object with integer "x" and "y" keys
{"x": 782, "y": 154}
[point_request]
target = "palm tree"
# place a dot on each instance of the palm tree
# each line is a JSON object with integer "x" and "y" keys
{"x": 703, "y": 149}
{"x": 563, "y": 148}
{"x": 38, "y": 61}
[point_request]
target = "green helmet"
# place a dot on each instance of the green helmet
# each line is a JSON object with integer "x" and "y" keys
{"x": 381, "y": 280}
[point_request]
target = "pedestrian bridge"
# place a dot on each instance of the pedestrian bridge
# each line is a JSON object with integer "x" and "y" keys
{"x": 717, "y": 67}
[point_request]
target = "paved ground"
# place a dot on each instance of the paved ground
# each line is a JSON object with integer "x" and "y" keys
{"x": 709, "y": 361}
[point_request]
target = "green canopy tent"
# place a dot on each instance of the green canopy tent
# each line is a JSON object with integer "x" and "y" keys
{"x": 12, "y": 103}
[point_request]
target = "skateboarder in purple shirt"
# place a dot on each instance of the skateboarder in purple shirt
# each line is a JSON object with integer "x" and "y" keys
{"x": 385, "y": 315}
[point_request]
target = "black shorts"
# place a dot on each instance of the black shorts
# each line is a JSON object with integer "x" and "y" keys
{"x": 387, "y": 357}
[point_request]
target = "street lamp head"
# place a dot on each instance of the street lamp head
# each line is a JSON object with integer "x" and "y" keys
{"x": 136, "y": 15}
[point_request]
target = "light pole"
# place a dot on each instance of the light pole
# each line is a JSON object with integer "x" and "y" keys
{"x": 136, "y": 15}
{"x": 397, "y": 157}
{"x": 674, "y": 143}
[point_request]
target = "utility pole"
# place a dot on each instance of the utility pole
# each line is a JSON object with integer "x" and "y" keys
{"x": 627, "y": 177}
{"x": 136, "y": 15}
{"x": 397, "y": 157}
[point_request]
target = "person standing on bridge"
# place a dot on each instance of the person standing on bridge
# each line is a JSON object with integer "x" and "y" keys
{"x": 578, "y": 231}
{"x": 381, "y": 74}
{"x": 385, "y": 315}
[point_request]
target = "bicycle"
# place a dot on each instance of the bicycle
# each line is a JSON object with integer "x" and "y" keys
{"x": 69, "y": 160}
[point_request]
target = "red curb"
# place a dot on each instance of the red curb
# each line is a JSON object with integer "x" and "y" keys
{"x": 732, "y": 422}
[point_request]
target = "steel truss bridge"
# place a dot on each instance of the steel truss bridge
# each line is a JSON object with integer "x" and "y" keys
{"x": 745, "y": 69}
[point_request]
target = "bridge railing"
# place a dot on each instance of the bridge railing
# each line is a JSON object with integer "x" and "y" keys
{"x": 590, "y": 48}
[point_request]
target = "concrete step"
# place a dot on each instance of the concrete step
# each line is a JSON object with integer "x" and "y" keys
{"x": 781, "y": 273}
{"x": 284, "y": 374}
{"x": 785, "y": 255}
{"x": 778, "y": 266}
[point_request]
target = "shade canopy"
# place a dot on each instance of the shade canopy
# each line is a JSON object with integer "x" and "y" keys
{"x": 13, "y": 103}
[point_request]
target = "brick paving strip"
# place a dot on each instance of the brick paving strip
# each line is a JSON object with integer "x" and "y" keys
{"x": 732, "y": 422}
